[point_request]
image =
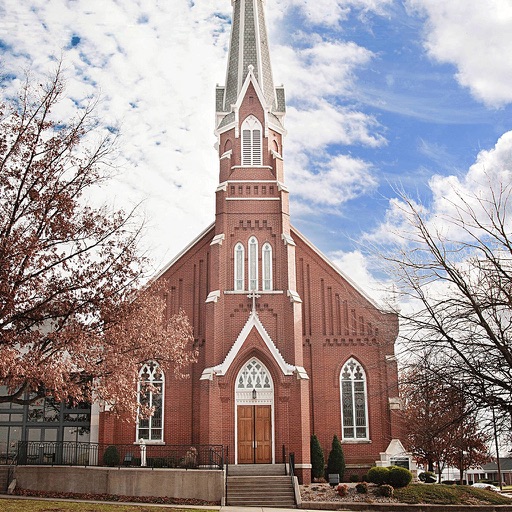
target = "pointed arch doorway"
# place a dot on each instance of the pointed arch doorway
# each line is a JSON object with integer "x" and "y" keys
{"x": 254, "y": 410}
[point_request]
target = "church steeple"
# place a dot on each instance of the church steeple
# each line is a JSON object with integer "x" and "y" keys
{"x": 248, "y": 54}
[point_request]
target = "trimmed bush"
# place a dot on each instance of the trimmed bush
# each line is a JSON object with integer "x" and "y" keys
{"x": 386, "y": 491}
{"x": 362, "y": 488}
{"x": 399, "y": 477}
{"x": 378, "y": 475}
{"x": 336, "y": 461}
{"x": 317, "y": 458}
{"x": 354, "y": 478}
{"x": 111, "y": 457}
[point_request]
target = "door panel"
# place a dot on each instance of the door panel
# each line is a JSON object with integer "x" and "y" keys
{"x": 254, "y": 434}
{"x": 245, "y": 434}
{"x": 263, "y": 434}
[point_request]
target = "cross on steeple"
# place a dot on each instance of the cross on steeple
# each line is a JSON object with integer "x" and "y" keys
{"x": 253, "y": 295}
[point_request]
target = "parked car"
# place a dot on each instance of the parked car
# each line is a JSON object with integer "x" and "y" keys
{"x": 488, "y": 487}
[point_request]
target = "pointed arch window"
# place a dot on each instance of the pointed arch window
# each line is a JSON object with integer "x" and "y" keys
{"x": 239, "y": 267}
{"x": 252, "y": 142}
{"x": 266, "y": 263}
{"x": 354, "y": 402}
{"x": 254, "y": 375}
{"x": 253, "y": 263}
{"x": 151, "y": 396}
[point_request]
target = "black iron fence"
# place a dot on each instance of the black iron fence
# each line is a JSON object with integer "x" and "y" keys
{"x": 128, "y": 455}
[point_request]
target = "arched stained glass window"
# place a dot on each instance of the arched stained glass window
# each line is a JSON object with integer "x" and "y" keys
{"x": 239, "y": 267}
{"x": 251, "y": 142}
{"x": 151, "y": 428}
{"x": 254, "y": 375}
{"x": 266, "y": 259}
{"x": 253, "y": 263}
{"x": 354, "y": 406}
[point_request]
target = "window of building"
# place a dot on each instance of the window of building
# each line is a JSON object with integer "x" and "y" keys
{"x": 266, "y": 259}
{"x": 251, "y": 142}
{"x": 152, "y": 427}
{"x": 354, "y": 406}
{"x": 239, "y": 267}
{"x": 253, "y": 263}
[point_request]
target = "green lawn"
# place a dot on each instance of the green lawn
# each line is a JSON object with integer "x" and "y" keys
{"x": 14, "y": 505}
{"x": 449, "y": 495}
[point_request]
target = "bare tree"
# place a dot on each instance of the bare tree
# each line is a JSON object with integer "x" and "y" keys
{"x": 454, "y": 272}
{"x": 72, "y": 321}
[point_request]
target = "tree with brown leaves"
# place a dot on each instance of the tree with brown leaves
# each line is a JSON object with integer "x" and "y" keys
{"x": 73, "y": 322}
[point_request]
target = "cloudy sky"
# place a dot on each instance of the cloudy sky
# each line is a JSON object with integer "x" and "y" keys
{"x": 381, "y": 94}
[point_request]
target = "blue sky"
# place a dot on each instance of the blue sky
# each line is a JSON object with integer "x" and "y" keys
{"x": 381, "y": 94}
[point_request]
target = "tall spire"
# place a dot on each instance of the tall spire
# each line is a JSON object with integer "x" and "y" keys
{"x": 249, "y": 47}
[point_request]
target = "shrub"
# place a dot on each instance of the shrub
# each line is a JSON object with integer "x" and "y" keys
{"x": 111, "y": 456}
{"x": 364, "y": 478}
{"x": 317, "y": 458}
{"x": 362, "y": 488}
{"x": 378, "y": 475}
{"x": 427, "y": 477}
{"x": 386, "y": 490}
{"x": 342, "y": 489}
{"x": 399, "y": 477}
{"x": 354, "y": 478}
{"x": 336, "y": 461}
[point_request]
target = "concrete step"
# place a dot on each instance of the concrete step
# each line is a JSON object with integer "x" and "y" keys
{"x": 256, "y": 469}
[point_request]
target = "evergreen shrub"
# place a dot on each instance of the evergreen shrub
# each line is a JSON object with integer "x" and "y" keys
{"x": 378, "y": 475}
{"x": 336, "y": 460}
{"x": 362, "y": 488}
{"x": 111, "y": 457}
{"x": 317, "y": 458}
{"x": 399, "y": 477}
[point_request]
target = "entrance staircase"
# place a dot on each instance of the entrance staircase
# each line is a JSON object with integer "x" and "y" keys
{"x": 259, "y": 485}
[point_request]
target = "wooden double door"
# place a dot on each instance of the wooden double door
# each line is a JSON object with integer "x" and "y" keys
{"x": 254, "y": 434}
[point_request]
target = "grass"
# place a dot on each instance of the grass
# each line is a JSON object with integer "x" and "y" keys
{"x": 449, "y": 495}
{"x": 14, "y": 505}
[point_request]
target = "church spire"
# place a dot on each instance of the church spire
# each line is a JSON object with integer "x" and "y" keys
{"x": 249, "y": 51}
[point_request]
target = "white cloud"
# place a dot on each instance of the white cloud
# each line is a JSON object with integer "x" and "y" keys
{"x": 332, "y": 12}
{"x": 341, "y": 179}
{"x": 475, "y": 37}
{"x": 479, "y": 187}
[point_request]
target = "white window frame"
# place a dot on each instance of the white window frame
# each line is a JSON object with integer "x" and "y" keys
{"x": 353, "y": 388}
{"x": 266, "y": 267}
{"x": 252, "y": 142}
{"x": 155, "y": 377}
{"x": 239, "y": 267}
{"x": 252, "y": 249}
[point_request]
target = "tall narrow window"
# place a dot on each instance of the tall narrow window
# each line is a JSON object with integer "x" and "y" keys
{"x": 253, "y": 263}
{"x": 354, "y": 408}
{"x": 151, "y": 397}
{"x": 251, "y": 142}
{"x": 239, "y": 267}
{"x": 266, "y": 262}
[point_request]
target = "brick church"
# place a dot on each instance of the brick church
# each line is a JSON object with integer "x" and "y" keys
{"x": 288, "y": 345}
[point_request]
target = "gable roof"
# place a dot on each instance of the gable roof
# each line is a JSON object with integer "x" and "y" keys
{"x": 253, "y": 322}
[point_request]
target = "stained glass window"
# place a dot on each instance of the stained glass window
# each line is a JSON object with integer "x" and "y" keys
{"x": 151, "y": 394}
{"x": 354, "y": 408}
